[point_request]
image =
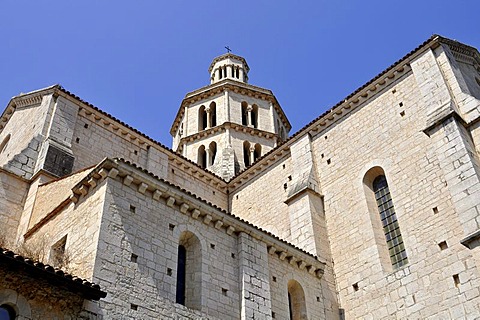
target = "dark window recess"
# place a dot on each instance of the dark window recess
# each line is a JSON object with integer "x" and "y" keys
{"x": 224, "y": 291}
{"x": 171, "y": 227}
{"x": 169, "y": 272}
{"x": 181, "y": 272}
{"x": 58, "y": 161}
{"x": 85, "y": 125}
{"x": 443, "y": 245}
{"x": 132, "y": 209}
{"x": 290, "y": 306}
{"x": 133, "y": 306}
{"x": 456, "y": 280}
{"x": 134, "y": 257}
{"x": 355, "y": 286}
{"x": 435, "y": 210}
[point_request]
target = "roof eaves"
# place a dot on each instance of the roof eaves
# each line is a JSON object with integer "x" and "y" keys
{"x": 54, "y": 276}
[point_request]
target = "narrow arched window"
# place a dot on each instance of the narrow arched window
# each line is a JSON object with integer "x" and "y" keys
{"x": 213, "y": 114}
{"x": 181, "y": 271}
{"x": 189, "y": 271}
{"x": 237, "y": 72}
{"x": 254, "y": 116}
{"x": 257, "y": 152}
{"x": 246, "y": 153}
{"x": 202, "y": 157}
{"x": 391, "y": 228}
{"x": 213, "y": 152}
{"x": 202, "y": 118}
{"x": 296, "y": 301}
{"x": 244, "y": 113}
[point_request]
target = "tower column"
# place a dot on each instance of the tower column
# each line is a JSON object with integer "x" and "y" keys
{"x": 242, "y": 75}
{"x": 209, "y": 119}
{"x": 217, "y": 74}
{"x": 252, "y": 154}
{"x": 207, "y": 163}
{"x": 249, "y": 116}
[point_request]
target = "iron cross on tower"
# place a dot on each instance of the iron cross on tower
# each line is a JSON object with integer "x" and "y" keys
{"x": 228, "y": 49}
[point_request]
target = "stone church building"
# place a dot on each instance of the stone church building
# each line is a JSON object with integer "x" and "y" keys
{"x": 370, "y": 211}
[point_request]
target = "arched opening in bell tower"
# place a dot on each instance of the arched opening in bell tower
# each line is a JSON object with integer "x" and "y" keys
{"x": 212, "y": 115}
{"x": 246, "y": 153}
{"x": 257, "y": 152}
{"x": 202, "y": 157}
{"x": 244, "y": 113}
{"x": 254, "y": 116}
{"x": 212, "y": 153}
{"x": 202, "y": 118}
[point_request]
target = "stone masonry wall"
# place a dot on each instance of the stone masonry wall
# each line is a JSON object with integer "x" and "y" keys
{"x": 26, "y": 131}
{"x": 391, "y": 138}
{"x": 80, "y": 223}
{"x": 261, "y": 199}
{"x": 13, "y": 192}
{"x": 317, "y": 301}
{"x": 151, "y": 231}
{"x": 93, "y": 141}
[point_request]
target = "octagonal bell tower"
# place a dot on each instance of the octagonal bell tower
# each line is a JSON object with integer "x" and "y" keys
{"x": 226, "y": 126}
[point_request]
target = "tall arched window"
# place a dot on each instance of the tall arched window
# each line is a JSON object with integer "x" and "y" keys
{"x": 213, "y": 153}
{"x": 237, "y": 72}
{"x": 296, "y": 301}
{"x": 254, "y": 116}
{"x": 202, "y": 157}
{"x": 202, "y": 118}
{"x": 213, "y": 114}
{"x": 246, "y": 153}
{"x": 391, "y": 228}
{"x": 244, "y": 113}
{"x": 257, "y": 153}
{"x": 189, "y": 271}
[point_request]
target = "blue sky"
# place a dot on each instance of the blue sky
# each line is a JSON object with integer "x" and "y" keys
{"x": 137, "y": 59}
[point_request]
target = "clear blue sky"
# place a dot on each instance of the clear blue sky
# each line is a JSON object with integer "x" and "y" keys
{"x": 137, "y": 59}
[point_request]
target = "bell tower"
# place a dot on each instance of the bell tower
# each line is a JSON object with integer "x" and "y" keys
{"x": 226, "y": 126}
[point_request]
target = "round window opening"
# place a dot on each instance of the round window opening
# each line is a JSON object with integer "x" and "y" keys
{"x": 7, "y": 312}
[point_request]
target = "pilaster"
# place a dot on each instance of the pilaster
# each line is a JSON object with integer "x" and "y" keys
{"x": 255, "y": 298}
